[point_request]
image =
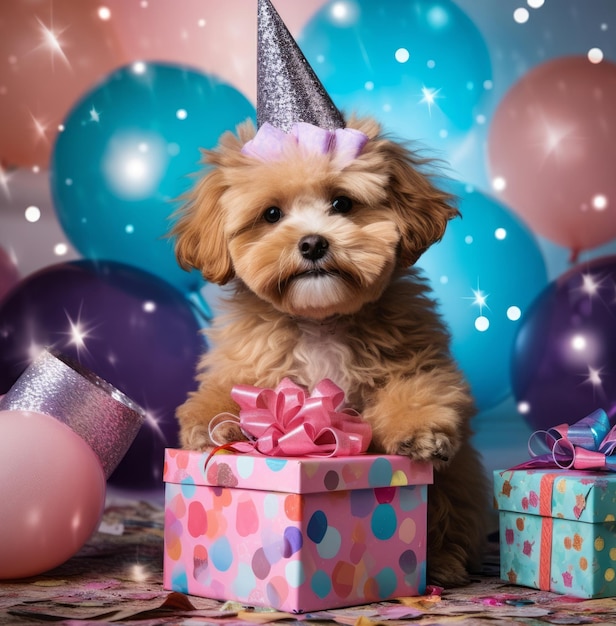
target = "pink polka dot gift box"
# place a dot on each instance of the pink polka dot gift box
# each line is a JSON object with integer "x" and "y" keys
{"x": 295, "y": 533}
{"x": 558, "y": 530}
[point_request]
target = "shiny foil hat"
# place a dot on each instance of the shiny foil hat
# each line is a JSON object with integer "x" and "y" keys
{"x": 288, "y": 90}
{"x": 106, "y": 419}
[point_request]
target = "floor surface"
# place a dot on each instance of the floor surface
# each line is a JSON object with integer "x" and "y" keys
{"x": 117, "y": 579}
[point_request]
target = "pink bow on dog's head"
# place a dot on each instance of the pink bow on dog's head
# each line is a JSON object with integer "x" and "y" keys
{"x": 343, "y": 144}
{"x": 287, "y": 422}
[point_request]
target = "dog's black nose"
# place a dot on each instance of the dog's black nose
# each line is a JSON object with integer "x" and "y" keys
{"x": 313, "y": 247}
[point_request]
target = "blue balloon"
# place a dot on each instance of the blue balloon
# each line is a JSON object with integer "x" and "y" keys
{"x": 125, "y": 156}
{"x": 421, "y": 67}
{"x": 486, "y": 272}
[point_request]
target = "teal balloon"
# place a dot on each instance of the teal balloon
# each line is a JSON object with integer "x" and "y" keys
{"x": 485, "y": 272}
{"x": 125, "y": 156}
{"x": 421, "y": 67}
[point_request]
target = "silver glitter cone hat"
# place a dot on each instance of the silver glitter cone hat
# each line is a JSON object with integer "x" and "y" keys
{"x": 288, "y": 90}
{"x": 106, "y": 419}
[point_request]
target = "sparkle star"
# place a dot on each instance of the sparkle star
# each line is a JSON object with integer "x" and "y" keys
{"x": 479, "y": 298}
{"x": 598, "y": 287}
{"x": 153, "y": 420}
{"x": 428, "y": 97}
{"x": 590, "y": 284}
{"x": 95, "y": 116}
{"x": 594, "y": 377}
{"x": 78, "y": 331}
{"x": 78, "y": 335}
{"x": 50, "y": 41}
{"x": 40, "y": 128}
{"x": 553, "y": 140}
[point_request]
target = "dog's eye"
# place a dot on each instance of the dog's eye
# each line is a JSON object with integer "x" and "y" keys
{"x": 342, "y": 204}
{"x": 272, "y": 214}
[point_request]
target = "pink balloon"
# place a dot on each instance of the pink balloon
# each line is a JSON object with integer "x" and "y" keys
{"x": 34, "y": 64}
{"x": 553, "y": 142}
{"x": 52, "y": 493}
{"x": 216, "y": 37}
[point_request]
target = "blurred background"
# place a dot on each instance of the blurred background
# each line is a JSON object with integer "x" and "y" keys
{"x": 104, "y": 106}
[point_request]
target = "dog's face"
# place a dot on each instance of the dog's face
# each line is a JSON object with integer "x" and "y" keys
{"x": 312, "y": 239}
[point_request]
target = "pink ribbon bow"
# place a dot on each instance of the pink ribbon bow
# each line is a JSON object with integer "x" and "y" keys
{"x": 287, "y": 422}
{"x": 585, "y": 445}
{"x": 342, "y": 144}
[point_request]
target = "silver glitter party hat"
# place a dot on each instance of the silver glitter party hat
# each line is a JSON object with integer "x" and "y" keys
{"x": 288, "y": 90}
{"x": 106, "y": 419}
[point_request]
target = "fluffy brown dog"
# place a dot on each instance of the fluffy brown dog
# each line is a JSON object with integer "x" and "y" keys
{"x": 319, "y": 261}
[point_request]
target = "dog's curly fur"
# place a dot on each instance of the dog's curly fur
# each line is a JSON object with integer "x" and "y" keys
{"x": 361, "y": 315}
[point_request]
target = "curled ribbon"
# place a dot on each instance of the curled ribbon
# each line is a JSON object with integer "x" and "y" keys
{"x": 287, "y": 422}
{"x": 342, "y": 144}
{"x": 588, "y": 444}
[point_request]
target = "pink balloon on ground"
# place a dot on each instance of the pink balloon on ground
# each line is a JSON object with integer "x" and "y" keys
{"x": 552, "y": 144}
{"x": 52, "y": 493}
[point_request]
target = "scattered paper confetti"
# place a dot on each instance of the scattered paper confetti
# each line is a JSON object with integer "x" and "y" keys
{"x": 98, "y": 586}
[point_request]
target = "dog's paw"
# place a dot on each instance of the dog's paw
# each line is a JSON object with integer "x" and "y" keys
{"x": 428, "y": 445}
{"x": 201, "y": 437}
{"x": 227, "y": 432}
{"x": 196, "y": 438}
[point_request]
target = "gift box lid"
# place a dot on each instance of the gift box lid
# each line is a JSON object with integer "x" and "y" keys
{"x": 568, "y": 494}
{"x": 293, "y": 474}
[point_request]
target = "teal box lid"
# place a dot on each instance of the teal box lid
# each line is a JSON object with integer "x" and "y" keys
{"x": 568, "y": 494}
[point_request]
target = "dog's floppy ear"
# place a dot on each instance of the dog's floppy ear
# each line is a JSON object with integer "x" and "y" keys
{"x": 200, "y": 240}
{"x": 421, "y": 209}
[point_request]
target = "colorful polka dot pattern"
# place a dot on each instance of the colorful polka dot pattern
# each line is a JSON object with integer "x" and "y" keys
{"x": 355, "y": 534}
{"x": 582, "y": 554}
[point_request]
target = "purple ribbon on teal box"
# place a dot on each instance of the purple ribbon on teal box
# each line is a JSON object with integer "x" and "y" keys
{"x": 588, "y": 444}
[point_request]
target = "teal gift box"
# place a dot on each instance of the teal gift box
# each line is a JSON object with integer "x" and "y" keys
{"x": 558, "y": 530}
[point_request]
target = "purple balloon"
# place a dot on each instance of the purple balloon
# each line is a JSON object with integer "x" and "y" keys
{"x": 564, "y": 356}
{"x": 130, "y": 327}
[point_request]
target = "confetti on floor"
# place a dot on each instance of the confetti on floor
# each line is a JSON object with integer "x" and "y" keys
{"x": 117, "y": 579}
